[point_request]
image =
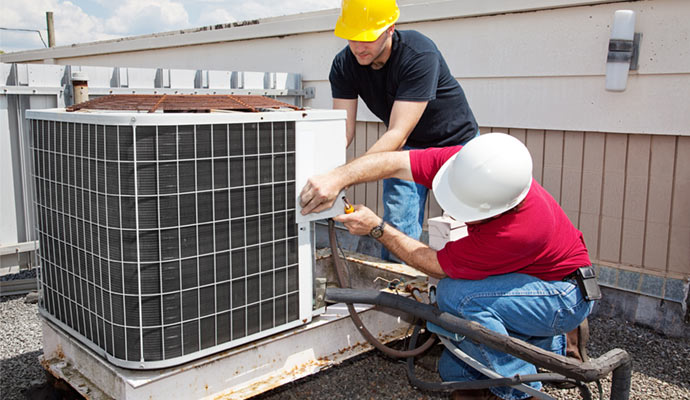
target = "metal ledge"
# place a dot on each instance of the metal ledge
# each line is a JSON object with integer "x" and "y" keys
{"x": 18, "y": 286}
{"x": 16, "y": 248}
{"x": 94, "y": 91}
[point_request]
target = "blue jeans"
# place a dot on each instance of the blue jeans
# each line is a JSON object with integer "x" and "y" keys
{"x": 522, "y": 306}
{"x": 403, "y": 208}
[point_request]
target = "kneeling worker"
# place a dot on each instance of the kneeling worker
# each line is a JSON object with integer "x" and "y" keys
{"x": 511, "y": 273}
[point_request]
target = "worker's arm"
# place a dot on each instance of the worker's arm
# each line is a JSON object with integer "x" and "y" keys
{"x": 321, "y": 191}
{"x": 404, "y": 117}
{"x": 349, "y": 105}
{"x": 411, "y": 251}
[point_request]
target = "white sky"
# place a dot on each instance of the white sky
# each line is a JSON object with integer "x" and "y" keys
{"x": 80, "y": 21}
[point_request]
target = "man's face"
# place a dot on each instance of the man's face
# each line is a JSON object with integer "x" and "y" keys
{"x": 373, "y": 53}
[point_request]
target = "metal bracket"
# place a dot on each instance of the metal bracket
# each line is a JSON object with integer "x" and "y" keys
{"x": 319, "y": 293}
{"x": 636, "y": 51}
{"x": 625, "y": 51}
{"x": 309, "y": 92}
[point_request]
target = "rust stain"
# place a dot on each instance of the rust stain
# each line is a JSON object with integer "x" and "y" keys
{"x": 46, "y": 365}
{"x": 278, "y": 380}
{"x": 181, "y": 103}
{"x": 58, "y": 352}
{"x": 300, "y": 370}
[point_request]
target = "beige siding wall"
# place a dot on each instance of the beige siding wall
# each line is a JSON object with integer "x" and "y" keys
{"x": 618, "y": 162}
{"x": 628, "y": 193}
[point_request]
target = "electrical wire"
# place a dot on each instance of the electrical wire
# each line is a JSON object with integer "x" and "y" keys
{"x": 340, "y": 273}
{"x": 26, "y": 30}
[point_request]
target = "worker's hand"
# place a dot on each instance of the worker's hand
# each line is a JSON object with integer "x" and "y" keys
{"x": 361, "y": 221}
{"x": 319, "y": 193}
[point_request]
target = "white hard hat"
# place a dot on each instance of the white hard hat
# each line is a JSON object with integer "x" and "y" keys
{"x": 490, "y": 175}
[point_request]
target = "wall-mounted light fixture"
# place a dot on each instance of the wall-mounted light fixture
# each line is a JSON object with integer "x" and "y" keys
{"x": 623, "y": 50}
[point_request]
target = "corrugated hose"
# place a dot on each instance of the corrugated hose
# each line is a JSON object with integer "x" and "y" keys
{"x": 616, "y": 362}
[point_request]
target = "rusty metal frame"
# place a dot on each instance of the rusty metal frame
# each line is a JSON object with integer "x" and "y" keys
{"x": 181, "y": 103}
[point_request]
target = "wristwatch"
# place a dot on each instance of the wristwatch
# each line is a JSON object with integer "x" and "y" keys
{"x": 377, "y": 231}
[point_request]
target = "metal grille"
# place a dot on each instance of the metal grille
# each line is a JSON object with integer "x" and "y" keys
{"x": 161, "y": 241}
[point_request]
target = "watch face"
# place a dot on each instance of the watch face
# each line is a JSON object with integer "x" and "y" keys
{"x": 377, "y": 231}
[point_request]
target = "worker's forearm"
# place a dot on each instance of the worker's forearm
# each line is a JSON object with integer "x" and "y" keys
{"x": 350, "y": 106}
{"x": 413, "y": 252}
{"x": 389, "y": 141}
{"x": 373, "y": 167}
{"x": 403, "y": 119}
{"x": 349, "y": 131}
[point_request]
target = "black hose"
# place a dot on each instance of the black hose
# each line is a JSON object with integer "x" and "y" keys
{"x": 340, "y": 273}
{"x": 620, "y": 381}
{"x": 617, "y": 360}
{"x": 485, "y": 383}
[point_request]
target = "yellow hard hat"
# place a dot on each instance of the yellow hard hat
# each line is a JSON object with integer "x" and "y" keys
{"x": 365, "y": 20}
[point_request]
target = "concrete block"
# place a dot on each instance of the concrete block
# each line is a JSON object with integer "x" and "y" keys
{"x": 675, "y": 290}
{"x": 617, "y": 304}
{"x": 606, "y": 276}
{"x": 629, "y": 280}
{"x": 646, "y": 312}
{"x": 662, "y": 316}
{"x": 673, "y": 323}
{"x": 652, "y": 285}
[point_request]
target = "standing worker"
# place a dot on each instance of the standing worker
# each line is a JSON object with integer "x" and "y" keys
{"x": 523, "y": 269}
{"x": 403, "y": 79}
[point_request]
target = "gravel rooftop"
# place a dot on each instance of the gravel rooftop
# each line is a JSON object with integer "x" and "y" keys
{"x": 660, "y": 369}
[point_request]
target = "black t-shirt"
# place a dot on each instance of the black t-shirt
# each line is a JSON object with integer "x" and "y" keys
{"x": 415, "y": 71}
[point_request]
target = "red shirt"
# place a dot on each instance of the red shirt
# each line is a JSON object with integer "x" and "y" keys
{"x": 537, "y": 240}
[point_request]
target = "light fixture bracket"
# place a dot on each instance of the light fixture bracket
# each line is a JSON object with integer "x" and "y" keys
{"x": 621, "y": 50}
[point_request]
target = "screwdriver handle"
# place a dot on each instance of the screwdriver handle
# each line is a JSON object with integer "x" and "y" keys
{"x": 349, "y": 208}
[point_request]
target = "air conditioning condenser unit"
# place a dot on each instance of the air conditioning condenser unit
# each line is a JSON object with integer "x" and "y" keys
{"x": 167, "y": 237}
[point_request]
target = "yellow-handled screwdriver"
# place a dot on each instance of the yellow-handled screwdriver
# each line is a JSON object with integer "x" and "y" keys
{"x": 349, "y": 208}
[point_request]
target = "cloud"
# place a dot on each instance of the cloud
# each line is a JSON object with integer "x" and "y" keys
{"x": 263, "y": 9}
{"x": 136, "y": 17}
{"x": 214, "y": 15}
{"x": 72, "y": 24}
{"x": 218, "y": 11}
{"x": 78, "y": 21}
